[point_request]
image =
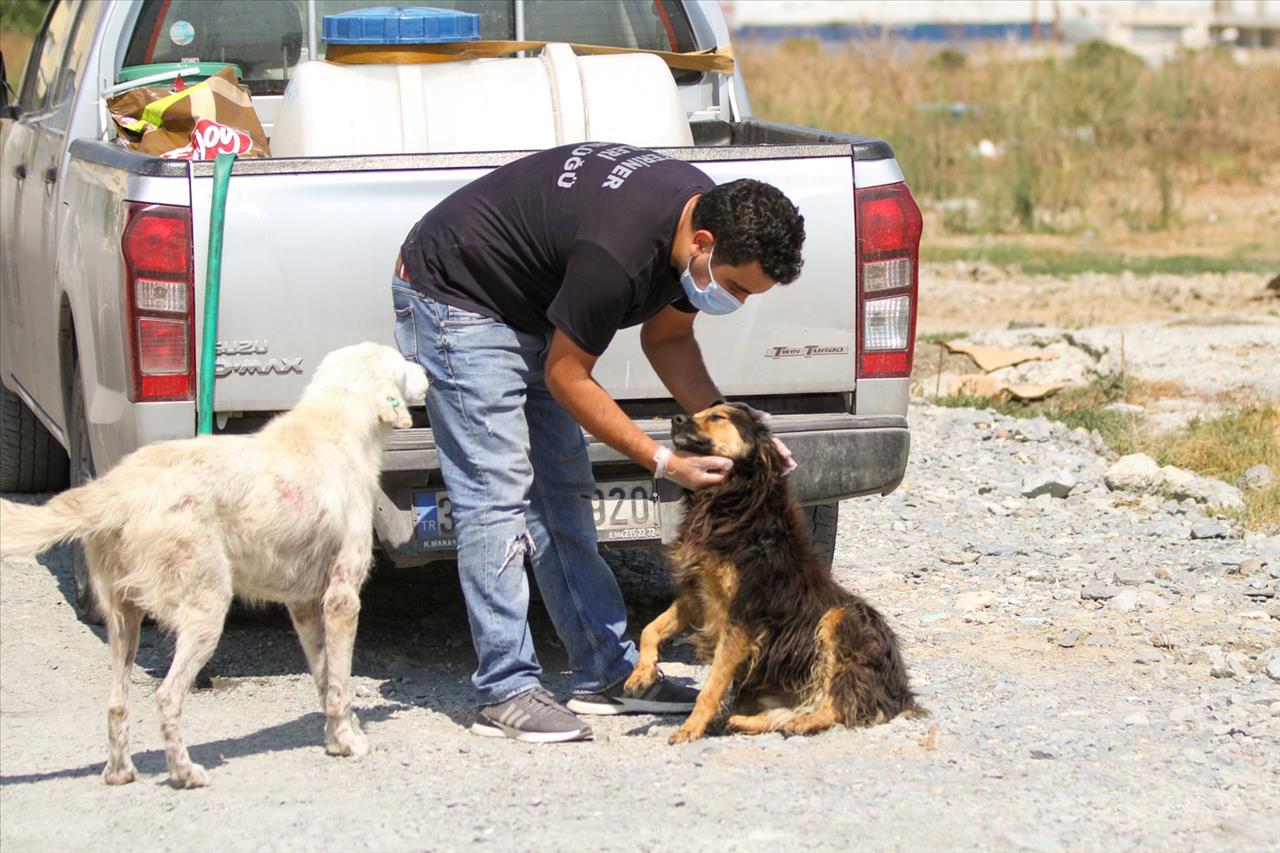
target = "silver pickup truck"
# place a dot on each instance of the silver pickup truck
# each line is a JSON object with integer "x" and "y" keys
{"x": 97, "y": 360}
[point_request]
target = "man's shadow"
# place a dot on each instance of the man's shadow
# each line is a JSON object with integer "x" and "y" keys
{"x": 418, "y": 628}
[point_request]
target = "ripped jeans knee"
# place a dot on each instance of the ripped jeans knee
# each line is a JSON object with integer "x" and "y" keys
{"x": 517, "y": 547}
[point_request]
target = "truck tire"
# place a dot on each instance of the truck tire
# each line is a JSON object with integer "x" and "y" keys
{"x": 31, "y": 460}
{"x": 822, "y": 520}
{"x": 81, "y": 472}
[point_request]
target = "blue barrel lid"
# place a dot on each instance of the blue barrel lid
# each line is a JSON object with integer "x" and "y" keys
{"x": 401, "y": 25}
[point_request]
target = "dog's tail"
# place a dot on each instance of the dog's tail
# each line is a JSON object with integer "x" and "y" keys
{"x": 26, "y": 531}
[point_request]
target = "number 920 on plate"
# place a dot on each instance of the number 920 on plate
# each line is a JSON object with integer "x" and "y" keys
{"x": 624, "y": 511}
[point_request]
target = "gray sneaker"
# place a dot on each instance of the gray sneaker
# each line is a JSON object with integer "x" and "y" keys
{"x": 661, "y": 697}
{"x": 532, "y": 717}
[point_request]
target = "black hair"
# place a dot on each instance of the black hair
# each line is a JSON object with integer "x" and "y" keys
{"x": 753, "y": 221}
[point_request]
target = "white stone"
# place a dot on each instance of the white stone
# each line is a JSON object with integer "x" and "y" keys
{"x": 1183, "y": 484}
{"x": 975, "y": 600}
{"x": 1231, "y": 665}
{"x": 1136, "y": 472}
{"x": 1050, "y": 481}
{"x": 1257, "y": 478}
{"x": 1177, "y": 482}
{"x": 1216, "y": 494}
{"x": 1151, "y": 600}
{"x": 1125, "y": 600}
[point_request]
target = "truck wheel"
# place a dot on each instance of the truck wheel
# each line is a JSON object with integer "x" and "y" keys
{"x": 822, "y": 527}
{"x": 82, "y": 471}
{"x": 31, "y": 460}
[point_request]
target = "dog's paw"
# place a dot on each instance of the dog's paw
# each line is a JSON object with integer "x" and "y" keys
{"x": 119, "y": 775}
{"x": 804, "y": 728}
{"x": 191, "y": 776}
{"x": 349, "y": 747}
{"x": 358, "y": 745}
{"x": 641, "y": 678}
{"x": 686, "y": 734}
{"x": 347, "y": 739}
{"x": 346, "y": 746}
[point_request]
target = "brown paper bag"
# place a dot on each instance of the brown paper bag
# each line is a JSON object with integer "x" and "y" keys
{"x": 161, "y": 123}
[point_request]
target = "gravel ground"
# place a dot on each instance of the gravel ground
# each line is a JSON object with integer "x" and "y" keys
{"x": 1098, "y": 680}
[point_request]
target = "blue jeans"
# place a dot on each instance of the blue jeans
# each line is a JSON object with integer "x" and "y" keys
{"x": 515, "y": 464}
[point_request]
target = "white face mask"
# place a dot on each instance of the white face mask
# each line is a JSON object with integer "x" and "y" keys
{"x": 713, "y": 299}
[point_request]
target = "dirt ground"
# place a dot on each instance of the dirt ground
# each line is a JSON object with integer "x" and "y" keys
{"x": 1100, "y": 676}
{"x": 1061, "y": 719}
{"x": 966, "y": 297}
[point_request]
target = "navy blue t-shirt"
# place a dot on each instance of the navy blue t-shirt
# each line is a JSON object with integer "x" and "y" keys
{"x": 576, "y": 238}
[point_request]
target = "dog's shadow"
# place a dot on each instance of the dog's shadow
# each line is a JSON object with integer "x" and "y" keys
{"x": 300, "y": 733}
{"x": 413, "y": 637}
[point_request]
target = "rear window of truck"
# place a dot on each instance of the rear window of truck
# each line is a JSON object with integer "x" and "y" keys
{"x": 266, "y": 38}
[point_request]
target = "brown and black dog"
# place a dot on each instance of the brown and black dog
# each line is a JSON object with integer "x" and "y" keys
{"x": 804, "y": 652}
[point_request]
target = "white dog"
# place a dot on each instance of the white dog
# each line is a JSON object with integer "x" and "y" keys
{"x": 286, "y": 515}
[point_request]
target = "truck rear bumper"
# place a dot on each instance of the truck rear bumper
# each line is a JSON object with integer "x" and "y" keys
{"x": 839, "y": 455}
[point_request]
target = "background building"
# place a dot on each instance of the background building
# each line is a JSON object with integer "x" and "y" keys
{"x": 1153, "y": 29}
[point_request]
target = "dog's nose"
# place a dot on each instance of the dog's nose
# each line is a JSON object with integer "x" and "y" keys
{"x": 679, "y": 420}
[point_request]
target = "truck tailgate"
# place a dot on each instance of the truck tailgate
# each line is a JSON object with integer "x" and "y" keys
{"x": 309, "y": 247}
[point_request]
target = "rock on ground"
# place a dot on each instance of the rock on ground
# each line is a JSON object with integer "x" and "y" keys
{"x": 1138, "y": 472}
{"x": 1256, "y": 478}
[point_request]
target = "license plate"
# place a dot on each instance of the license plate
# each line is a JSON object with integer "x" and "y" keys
{"x": 624, "y": 511}
{"x": 433, "y": 520}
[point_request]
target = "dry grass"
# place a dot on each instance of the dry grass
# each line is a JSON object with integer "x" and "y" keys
{"x": 1225, "y": 447}
{"x": 1091, "y": 141}
{"x": 1145, "y": 392}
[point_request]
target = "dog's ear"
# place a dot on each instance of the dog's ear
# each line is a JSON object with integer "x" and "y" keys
{"x": 767, "y": 455}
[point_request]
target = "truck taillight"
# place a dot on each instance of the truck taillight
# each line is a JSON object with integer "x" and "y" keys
{"x": 889, "y": 226}
{"x": 158, "y": 297}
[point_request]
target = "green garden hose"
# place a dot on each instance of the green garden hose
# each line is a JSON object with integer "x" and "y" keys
{"x": 212, "y": 290}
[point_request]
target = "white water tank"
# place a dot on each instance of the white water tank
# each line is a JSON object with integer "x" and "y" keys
{"x": 555, "y": 98}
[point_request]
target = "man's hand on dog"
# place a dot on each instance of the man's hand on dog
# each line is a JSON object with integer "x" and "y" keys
{"x": 694, "y": 472}
{"x": 788, "y": 461}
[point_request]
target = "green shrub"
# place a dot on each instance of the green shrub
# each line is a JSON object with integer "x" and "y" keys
{"x": 948, "y": 59}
